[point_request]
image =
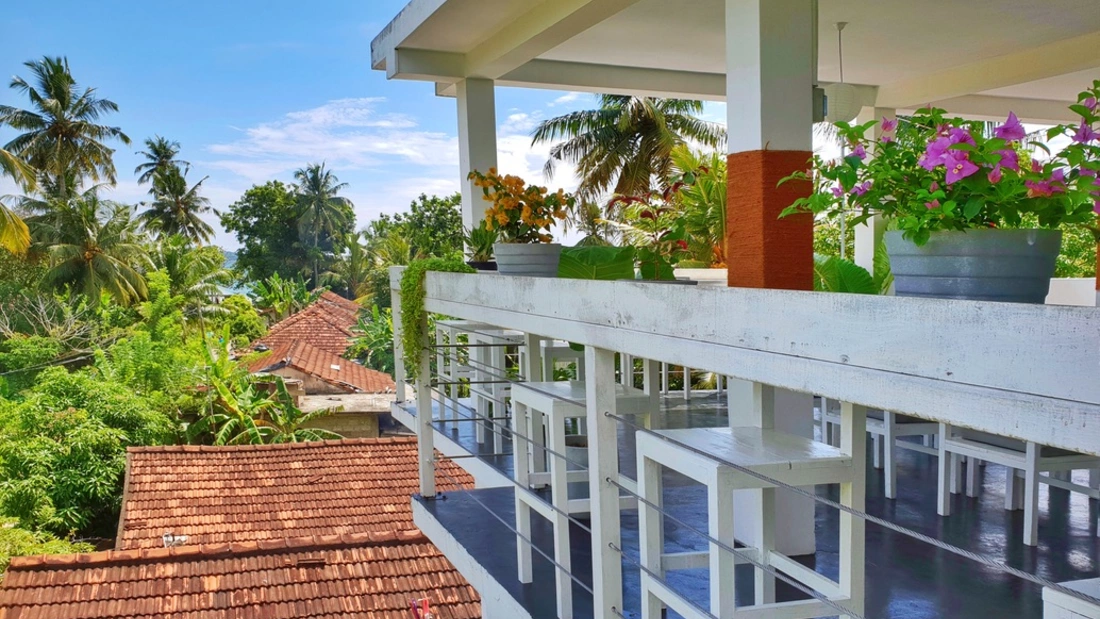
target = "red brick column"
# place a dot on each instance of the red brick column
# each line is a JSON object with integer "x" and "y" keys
{"x": 762, "y": 250}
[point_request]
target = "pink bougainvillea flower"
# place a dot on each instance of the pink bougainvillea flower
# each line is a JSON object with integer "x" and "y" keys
{"x": 860, "y": 151}
{"x": 1085, "y": 134}
{"x": 1096, "y": 206}
{"x": 1036, "y": 166}
{"x": 1039, "y": 189}
{"x": 886, "y": 139}
{"x": 1058, "y": 176}
{"x": 1090, "y": 103}
{"x": 861, "y": 188}
{"x": 959, "y": 135}
{"x": 934, "y": 153}
{"x": 934, "y": 186}
{"x": 889, "y": 124}
{"x": 931, "y": 205}
{"x": 838, "y": 191}
{"x": 1011, "y": 130}
{"x": 958, "y": 166}
{"x": 1009, "y": 159}
{"x": 994, "y": 175}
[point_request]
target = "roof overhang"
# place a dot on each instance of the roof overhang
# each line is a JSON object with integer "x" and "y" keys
{"x": 974, "y": 60}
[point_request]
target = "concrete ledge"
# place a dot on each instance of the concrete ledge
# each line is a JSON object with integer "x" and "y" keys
{"x": 485, "y": 476}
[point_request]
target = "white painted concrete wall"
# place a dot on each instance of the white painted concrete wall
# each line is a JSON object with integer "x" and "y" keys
{"x": 1072, "y": 291}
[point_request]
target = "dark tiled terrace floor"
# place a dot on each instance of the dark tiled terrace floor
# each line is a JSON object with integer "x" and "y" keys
{"x": 905, "y": 578}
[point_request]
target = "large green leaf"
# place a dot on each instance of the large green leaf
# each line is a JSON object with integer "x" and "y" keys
{"x": 834, "y": 274}
{"x": 884, "y": 277}
{"x": 592, "y": 262}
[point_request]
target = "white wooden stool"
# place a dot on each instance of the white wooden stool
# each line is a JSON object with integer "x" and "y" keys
{"x": 778, "y": 456}
{"x": 536, "y": 405}
{"x": 452, "y": 361}
{"x": 1058, "y": 605}
{"x": 554, "y": 351}
{"x": 489, "y": 387}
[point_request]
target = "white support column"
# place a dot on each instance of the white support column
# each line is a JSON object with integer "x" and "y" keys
{"x": 532, "y": 366}
{"x": 762, "y": 406}
{"x": 603, "y": 463}
{"x": 651, "y": 384}
{"x": 769, "y": 74}
{"x": 869, "y": 234}
{"x": 477, "y": 142}
{"x": 425, "y": 432}
{"x": 398, "y": 349}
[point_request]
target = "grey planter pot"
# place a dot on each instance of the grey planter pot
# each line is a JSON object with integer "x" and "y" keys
{"x": 530, "y": 259}
{"x": 1013, "y": 266}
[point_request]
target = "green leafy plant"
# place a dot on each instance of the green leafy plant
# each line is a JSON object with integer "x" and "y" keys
{"x": 374, "y": 343}
{"x": 19, "y": 542}
{"x": 413, "y": 321}
{"x": 479, "y": 242}
{"x": 597, "y": 262}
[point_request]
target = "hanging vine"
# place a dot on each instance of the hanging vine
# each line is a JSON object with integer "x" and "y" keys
{"x": 412, "y": 306}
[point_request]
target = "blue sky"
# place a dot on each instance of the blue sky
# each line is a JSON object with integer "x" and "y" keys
{"x": 253, "y": 90}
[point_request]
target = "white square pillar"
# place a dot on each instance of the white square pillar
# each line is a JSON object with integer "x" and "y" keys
{"x": 477, "y": 143}
{"x": 787, "y": 411}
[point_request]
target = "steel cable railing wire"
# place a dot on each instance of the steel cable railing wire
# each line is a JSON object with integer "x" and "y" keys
{"x": 529, "y": 491}
{"x": 730, "y": 549}
{"x": 519, "y": 535}
{"x": 962, "y": 552}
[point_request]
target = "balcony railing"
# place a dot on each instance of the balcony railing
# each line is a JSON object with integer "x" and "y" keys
{"x": 1027, "y": 373}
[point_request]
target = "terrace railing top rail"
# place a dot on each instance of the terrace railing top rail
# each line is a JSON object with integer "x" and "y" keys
{"x": 1028, "y": 372}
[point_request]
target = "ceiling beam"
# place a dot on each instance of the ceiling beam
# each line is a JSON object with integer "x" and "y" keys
{"x": 426, "y": 65}
{"x": 988, "y": 107}
{"x": 610, "y": 79}
{"x": 415, "y": 13}
{"x": 546, "y": 26}
{"x": 1050, "y": 60}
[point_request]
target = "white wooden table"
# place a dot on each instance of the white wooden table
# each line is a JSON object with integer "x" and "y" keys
{"x": 777, "y": 455}
{"x": 540, "y": 409}
{"x": 554, "y": 351}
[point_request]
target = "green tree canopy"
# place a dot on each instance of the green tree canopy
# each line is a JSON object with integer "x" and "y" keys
{"x": 265, "y": 222}
{"x": 160, "y": 155}
{"x": 325, "y": 217}
{"x": 177, "y": 209}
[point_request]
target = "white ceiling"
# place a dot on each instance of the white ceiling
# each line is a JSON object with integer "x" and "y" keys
{"x": 886, "y": 41}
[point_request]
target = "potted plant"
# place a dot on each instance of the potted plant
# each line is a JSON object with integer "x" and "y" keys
{"x": 971, "y": 214}
{"x": 656, "y": 228}
{"x": 479, "y": 243}
{"x": 522, "y": 216}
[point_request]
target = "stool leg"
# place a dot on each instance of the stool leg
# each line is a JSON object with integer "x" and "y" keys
{"x": 876, "y": 455}
{"x": 1094, "y": 479}
{"x": 764, "y": 583}
{"x": 720, "y": 515}
{"x": 889, "y": 456}
{"x": 651, "y": 385}
{"x": 522, "y": 466}
{"x": 1031, "y": 495}
{"x": 973, "y": 476}
{"x": 559, "y": 498}
{"x": 664, "y": 378}
{"x": 650, "y": 531}
{"x": 1011, "y": 489}
{"x": 956, "y": 473}
{"x": 687, "y": 383}
{"x": 853, "y": 441}
{"x": 499, "y": 409}
{"x": 943, "y": 489}
{"x": 538, "y": 435}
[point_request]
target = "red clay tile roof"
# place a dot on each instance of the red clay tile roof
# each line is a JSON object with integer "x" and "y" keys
{"x": 301, "y": 356}
{"x": 218, "y": 495}
{"x": 367, "y": 576}
{"x": 331, "y": 298}
{"x": 321, "y": 325}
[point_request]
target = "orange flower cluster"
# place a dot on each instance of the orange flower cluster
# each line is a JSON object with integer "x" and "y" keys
{"x": 521, "y": 213}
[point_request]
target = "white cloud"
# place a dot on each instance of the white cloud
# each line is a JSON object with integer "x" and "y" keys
{"x": 346, "y": 133}
{"x": 567, "y": 98}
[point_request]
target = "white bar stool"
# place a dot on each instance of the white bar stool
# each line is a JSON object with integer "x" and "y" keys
{"x": 779, "y": 456}
{"x": 556, "y": 351}
{"x": 452, "y": 361}
{"x": 489, "y": 387}
{"x": 539, "y": 405}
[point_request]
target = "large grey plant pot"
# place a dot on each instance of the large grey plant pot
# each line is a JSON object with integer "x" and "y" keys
{"x": 530, "y": 259}
{"x": 1014, "y": 266}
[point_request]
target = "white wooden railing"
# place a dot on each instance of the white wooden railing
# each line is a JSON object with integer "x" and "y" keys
{"x": 1026, "y": 372}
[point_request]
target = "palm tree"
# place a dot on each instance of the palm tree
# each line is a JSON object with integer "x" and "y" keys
{"x": 95, "y": 248}
{"x": 196, "y": 274}
{"x": 18, "y": 169}
{"x": 626, "y": 142}
{"x": 176, "y": 208}
{"x": 61, "y": 137}
{"x": 353, "y": 267}
{"x": 322, "y": 210}
{"x": 161, "y": 155}
{"x": 286, "y": 423}
{"x": 703, "y": 202}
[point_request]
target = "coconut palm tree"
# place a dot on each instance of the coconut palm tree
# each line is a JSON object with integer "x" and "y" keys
{"x": 61, "y": 136}
{"x": 177, "y": 208}
{"x": 352, "y": 268}
{"x": 626, "y": 142}
{"x": 703, "y": 203}
{"x": 324, "y": 214}
{"x": 195, "y": 273}
{"x": 94, "y": 248}
{"x": 161, "y": 155}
